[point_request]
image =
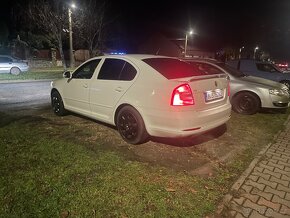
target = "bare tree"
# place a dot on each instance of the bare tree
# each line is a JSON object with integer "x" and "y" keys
{"x": 50, "y": 16}
{"x": 90, "y": 24}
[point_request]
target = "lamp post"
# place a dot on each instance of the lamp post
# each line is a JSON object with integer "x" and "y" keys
{"x": 185, "y": 43}
{"x": 240, "y": 52}
{"x": 255, "y": 50}
{"x": 71, "y": 55}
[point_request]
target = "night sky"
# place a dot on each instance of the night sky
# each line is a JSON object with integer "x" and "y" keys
{"x": 265, "y": 23}
{"x": 217, "y": 24}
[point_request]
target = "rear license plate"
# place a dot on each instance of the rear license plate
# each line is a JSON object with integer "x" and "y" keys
{"x": 213, "y": 95}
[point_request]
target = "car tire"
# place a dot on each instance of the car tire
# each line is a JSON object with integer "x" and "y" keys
{"x": 15, "y": 71}
{"x": 131, "y": 126}
{"x": 246, "y": 103}
{"x": 57, "y": 104}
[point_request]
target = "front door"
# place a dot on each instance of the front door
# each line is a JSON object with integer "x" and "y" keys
{"x": 76, "y": 90}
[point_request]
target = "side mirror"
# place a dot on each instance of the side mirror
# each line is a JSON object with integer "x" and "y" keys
{"x": 67, "y": 74}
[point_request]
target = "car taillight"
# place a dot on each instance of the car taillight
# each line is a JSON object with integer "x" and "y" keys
{"x": 229, "y": 89}
{"x": 182, "y": 96}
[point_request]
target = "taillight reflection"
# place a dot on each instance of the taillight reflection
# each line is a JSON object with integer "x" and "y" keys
{"x": 182, "y": 96}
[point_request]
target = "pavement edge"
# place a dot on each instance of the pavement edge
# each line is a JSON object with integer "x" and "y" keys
{"x": 235, "y": 187}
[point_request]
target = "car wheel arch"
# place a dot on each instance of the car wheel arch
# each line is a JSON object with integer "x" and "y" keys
{"x": 56, "y": 90}
{"x": 120, "y": 107}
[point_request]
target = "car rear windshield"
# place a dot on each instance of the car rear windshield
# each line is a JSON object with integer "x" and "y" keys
{"x": 173, "y": 68}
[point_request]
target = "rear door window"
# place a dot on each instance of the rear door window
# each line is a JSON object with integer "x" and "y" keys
{"x": 5, "y": 60}
{"x": 117, "y": 69}
{"x": 173, "y": 68}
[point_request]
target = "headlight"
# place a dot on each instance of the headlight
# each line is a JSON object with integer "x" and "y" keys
{"x": 278, "y": 92}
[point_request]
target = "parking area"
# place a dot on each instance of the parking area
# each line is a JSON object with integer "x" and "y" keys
{"x": 197, "y": 155}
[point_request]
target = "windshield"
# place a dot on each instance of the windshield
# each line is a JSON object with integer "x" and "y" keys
{"x": 230, "y": 70}
{"x": 173, "y": 68}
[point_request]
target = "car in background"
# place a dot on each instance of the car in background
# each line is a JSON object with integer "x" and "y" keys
{"x": 248, "y": 94}
{"x": 262, "y": 69}
{"x": 282, "y": 65}
{"x": 144, "y": 95}
{"x": 15, "y": 66}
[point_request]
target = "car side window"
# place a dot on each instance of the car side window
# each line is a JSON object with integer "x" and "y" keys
{"x": 117, "y": 69}
{"x": 5, "y": 60}
{"x": 128, "y": 73}
{"x": 209, "y": 69}
{"x": 266, "y": 68}
{"x": 87, "y": 70}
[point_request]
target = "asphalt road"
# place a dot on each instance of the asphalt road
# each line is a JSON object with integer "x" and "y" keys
{"x": 24, "y": 96}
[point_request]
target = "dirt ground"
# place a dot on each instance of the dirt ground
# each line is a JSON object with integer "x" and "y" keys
{"x": 198, "y": 155}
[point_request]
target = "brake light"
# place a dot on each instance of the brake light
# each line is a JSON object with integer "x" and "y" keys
{"x": 229, "y": 88}
{"x": 182, "y": 96}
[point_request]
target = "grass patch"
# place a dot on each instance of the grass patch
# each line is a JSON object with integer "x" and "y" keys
{"x": 45, "y": 176}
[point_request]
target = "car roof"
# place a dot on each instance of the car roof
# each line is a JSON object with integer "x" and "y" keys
{"x": 205, "y": 60}
{"x": 134, "y": 56}
{"x": 250, "y": 60}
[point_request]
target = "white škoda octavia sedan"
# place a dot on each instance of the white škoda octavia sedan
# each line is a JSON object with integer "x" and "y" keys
{"x": 144, "y": 95}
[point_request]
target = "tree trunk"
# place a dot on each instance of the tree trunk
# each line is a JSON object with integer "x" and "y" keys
{"x": 59, "y": 39}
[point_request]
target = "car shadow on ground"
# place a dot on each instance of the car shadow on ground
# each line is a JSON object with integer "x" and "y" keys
{"x": 177, "y": 142}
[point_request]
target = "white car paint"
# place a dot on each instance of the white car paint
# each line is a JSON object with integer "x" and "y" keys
{"x": 150, "y": 94}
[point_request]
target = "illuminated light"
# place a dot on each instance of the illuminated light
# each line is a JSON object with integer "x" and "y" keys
{"x": 117, "y": 53}
{"x": 192, "y": 129}
{"x": 73, "y": 5}
{"x": 182, "y": 96}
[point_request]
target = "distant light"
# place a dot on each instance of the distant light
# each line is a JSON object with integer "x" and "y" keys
{"x": 257, "y": 48}
{"x": 190, "y": 32}
{"x": 73, "y": 5}
{"x": 117, "y": 53}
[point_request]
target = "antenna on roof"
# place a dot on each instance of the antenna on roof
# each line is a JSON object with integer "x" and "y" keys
{"x": 157, "y": 52}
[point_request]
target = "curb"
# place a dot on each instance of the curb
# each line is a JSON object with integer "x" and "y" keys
{"x": 228, "y": 197}
{"x": 25, "y": 81}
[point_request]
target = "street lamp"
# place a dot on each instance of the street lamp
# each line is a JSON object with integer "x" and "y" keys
{"x": 185, "y": 45}
{"x": 71, "y": 55}
{"x": 255, "y": 50}
{"x": 240, "y": 53}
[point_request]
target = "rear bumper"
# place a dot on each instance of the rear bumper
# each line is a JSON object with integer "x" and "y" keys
{"x": 185, "y": 123}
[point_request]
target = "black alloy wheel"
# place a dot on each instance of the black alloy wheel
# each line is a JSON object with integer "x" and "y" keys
{"x": 246, "y": 103}
{"x": 131, "y": 126}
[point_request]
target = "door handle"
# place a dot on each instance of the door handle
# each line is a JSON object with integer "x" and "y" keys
{"x": 119, "y": 89}
{"x": 85, "y": 85}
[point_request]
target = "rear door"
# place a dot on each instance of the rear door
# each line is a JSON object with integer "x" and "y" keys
{"x": 113, "y": 80}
